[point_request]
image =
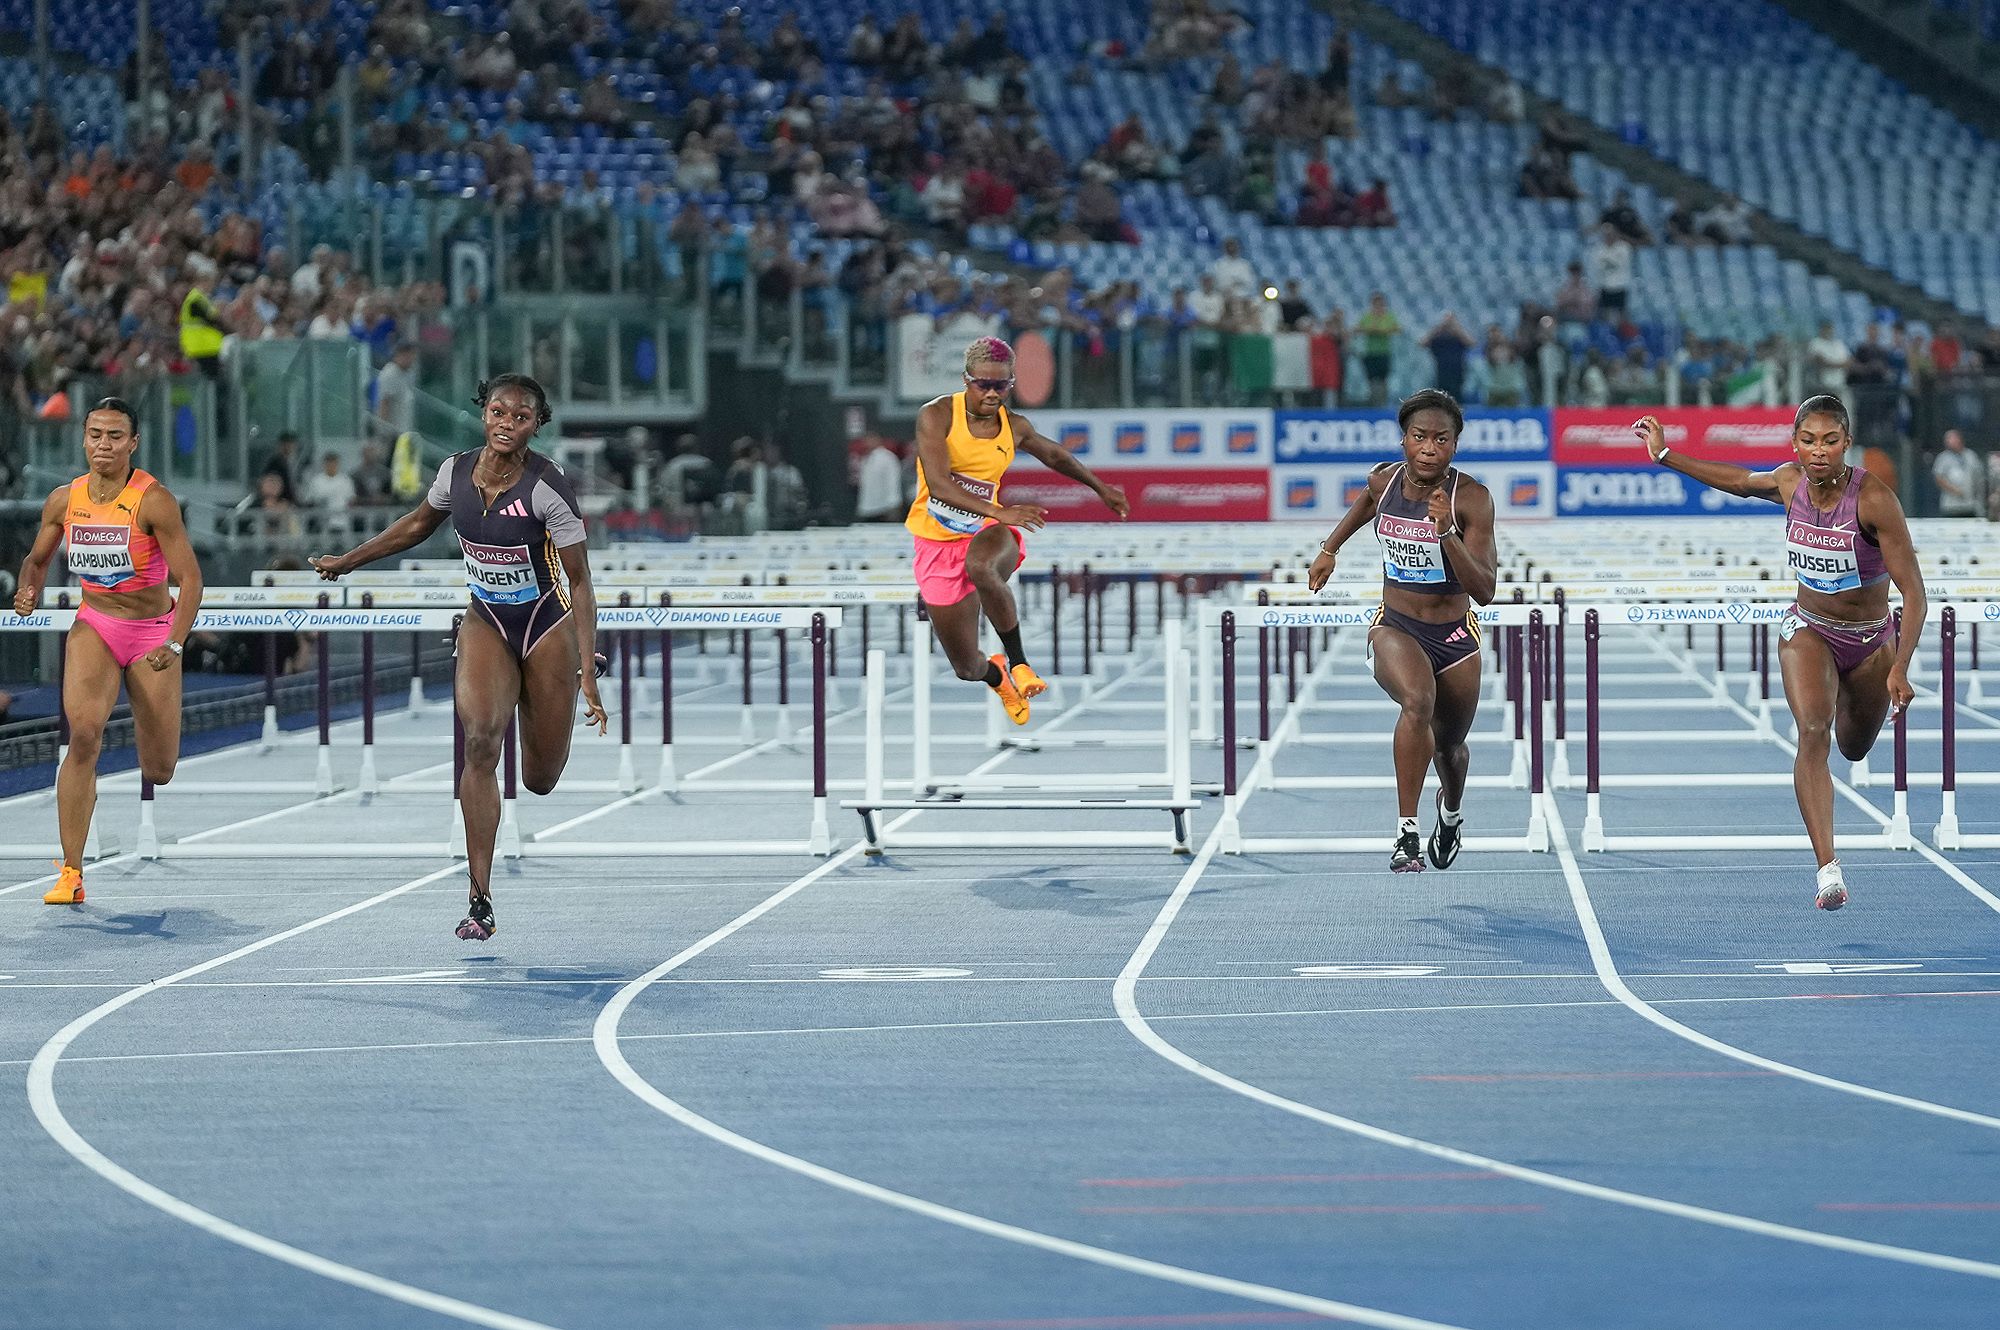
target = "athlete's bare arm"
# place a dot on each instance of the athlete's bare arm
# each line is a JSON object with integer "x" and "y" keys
{"x": 1359, "y": 514}
{"x": 48, "y": 539}
{"x": 406, "y": 532}
{"x": 934, "y": 456}
{"x": 1879, "y": 512}
{"x": 1063, "y": 462}
{"x": 159, "y": 516}
{"x": 583, "y": 615}
{"x": 1775, "y": 485}
{"x": 1473, "y": 561}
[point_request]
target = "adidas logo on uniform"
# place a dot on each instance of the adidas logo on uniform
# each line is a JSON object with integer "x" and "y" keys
{"x": 1457, "y": 634}
{"x": 515, "y": 509}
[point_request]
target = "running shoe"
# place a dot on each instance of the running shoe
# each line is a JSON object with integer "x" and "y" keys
{"x": 68, "y": 889}
{"x": 1408, "y": 856}
{"x": 478, "y": 925}
{"x": 1029, "y": 682}
{"x": 1444, "y": 838}
{"x": 1010, "y": 695}
{"x": 1832, "y": 889}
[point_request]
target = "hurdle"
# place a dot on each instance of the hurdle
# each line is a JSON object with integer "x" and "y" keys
{"x": 933, "y": 796}
{"x": 1596, "y": 839}
{"x": 1235, "y": 792}
{"x": 1946, "y": 834}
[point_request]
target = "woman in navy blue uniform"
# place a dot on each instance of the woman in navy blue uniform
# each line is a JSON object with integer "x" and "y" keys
{"x": 521, "y": 530}
{"x": 1435, "y": 524}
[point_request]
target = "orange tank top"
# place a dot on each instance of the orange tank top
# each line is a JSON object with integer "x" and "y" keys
{"x": 106, "y": 553}
{"x": 977, "y": 464}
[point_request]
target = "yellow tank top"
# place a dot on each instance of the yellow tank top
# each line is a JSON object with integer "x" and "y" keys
{"x": 977, "y": 464}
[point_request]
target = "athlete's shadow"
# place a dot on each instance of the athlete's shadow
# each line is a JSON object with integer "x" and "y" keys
{"x": 1477, "y": 928}
{"x": 196, "y": 925}
{"x": 1048, "y": 889}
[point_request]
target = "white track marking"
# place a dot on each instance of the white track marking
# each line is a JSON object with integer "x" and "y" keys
{"x": 42, "y": 1098}
{"x": 1124, "y": 998}
{"x": 1614, "y": 984}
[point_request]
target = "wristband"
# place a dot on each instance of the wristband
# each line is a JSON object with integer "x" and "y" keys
{"x": 174, "y": 647}
{"x": 1665, "y": 453}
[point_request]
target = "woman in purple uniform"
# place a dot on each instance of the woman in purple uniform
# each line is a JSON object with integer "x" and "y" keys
{"x": 1845, "y": 541}
{"x": 521, "y": 530}
{"x": 1435, "y": 525}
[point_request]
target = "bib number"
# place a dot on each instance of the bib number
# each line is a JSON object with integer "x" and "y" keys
{"x": 957, "y": 520}
{"x": 100, "y": 556}
{"x": 500, "y": 574}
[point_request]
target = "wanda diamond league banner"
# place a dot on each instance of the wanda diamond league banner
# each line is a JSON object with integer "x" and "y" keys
{"x": 1602, "y": 469}
{"x": 1174, "y": 466}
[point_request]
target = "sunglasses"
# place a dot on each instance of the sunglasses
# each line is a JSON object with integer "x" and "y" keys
{"x": 989, "y": 385}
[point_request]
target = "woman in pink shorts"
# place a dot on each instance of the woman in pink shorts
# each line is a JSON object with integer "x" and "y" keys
{"x": 124, "y": 536}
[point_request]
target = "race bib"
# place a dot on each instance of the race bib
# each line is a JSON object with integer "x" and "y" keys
{"x": 957, "y": 520}
{"x": 500, "y": 574}
{"x": 100, "y": 556}
{"x": 1411, "y": 550}
{"x": 1822, "y": 560}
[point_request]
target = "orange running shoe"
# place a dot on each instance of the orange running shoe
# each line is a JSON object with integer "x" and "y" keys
{"x": 1029, "y": 682}
{"x": 1010, "y": 695}
{"x": 68, "y": 889}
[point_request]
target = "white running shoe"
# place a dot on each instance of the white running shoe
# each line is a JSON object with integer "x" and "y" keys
{"x": 1832, "y": 888}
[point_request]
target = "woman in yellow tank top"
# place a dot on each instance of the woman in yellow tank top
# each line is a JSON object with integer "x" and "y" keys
{"x": 125, "y": 535}
{"x": 969, "y": 542}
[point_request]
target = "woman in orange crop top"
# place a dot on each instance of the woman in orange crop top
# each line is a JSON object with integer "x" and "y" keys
{"x": 124, "y": 536}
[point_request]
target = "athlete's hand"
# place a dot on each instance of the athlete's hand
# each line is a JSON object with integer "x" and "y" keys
{"x": 24, "y": 600}
{"x": 1114, "y": 499}
{"x": 1652, "y": 434}
{"x": 328, "y": 566}
{"x": 1440, "y": 511}
{"x": 1028, "y": 516}
{"x": 593, "y": 707}
{"x": 1900, "y": 692}
{"x": 1321, "y": 569}
{"x": 160, "y": 658}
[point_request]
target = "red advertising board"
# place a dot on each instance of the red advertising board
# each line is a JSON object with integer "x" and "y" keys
{"x": 1157, "y": 494}
{"x": 1602, "y": 436}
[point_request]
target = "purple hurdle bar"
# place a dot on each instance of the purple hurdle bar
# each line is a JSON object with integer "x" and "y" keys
{"x": 1590, "y": 634}
{"x": 1229, "y": 702}
{"x": 1948, "y": 687}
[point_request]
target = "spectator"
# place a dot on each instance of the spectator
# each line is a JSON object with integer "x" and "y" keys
{"x": 1827, "y": 357}
{"x": 1727, "y": 223}
{"x": 283, "y": 464}
{"x": 1623, "y": 218}
{"x": 1371, "y": 205}
{"x": 276, "y": 515}
{"x": 374, "y": 487}
{"x": 1506, "y": 377}
{"x": 1576, "y": 299}
{"x": 1506, "y": 102}
{"x": 202, "y": 329}
{"x": 1593, "y": 385}
{"x": 943, "y": 198}
{"x": 1293, "y": 307}
{"x": 1681, "y": 225}
{"x": 330, "y": 489}
{"x": 1448, "y": 344}
{"x": 864, "y": 44}
{"x": 1611, "y": 260}
{"x": 1960, "y": 478}
{"x": 1232, "y": 272}
{"x": 1993, "y": 486}
{"x": 1098, "y": 209}
{"x": 879, "y": 496}
{"x": 1635, "y": 382}
{"x": 396, "y": 392}
{"x": 687, "y": 481}
{"x": 1379, "y": 329}
{"x": 1208, "y": 302}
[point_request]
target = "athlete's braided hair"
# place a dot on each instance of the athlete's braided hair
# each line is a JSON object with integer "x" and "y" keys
{"x": 1428, "y": 399}
{"x": 522, "y": 381}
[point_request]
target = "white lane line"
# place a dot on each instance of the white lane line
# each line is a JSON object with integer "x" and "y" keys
{"x": 1125, "y": 1000}
{"x": 1614, "y": 984}
{"x": 48, "y": 1111}
{"x": 963, "y": 1025}
{"x": 605, "y": 1038}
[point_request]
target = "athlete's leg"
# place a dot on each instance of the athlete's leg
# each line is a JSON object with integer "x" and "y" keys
{"x": 994, "y": 556}
{"x": 1457, "y": 705}
{"x": 1862, "y": 705}
{"x": 957, "y": 629}
{"x": 487, "y": 689}
{"x": 1811, "y": 683}
{"x": 90, "y": 690}
{"x": 1404, "y": 672}
{"x": 156, "y": 717}
{"x": 548, "y": 708}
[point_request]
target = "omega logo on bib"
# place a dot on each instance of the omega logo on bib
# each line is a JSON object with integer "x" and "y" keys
{"x": 1411, "y": 549}
{"x": 503, "y": 574}
{"x": 958, "y": 520}
{"x": 99, "y": 554}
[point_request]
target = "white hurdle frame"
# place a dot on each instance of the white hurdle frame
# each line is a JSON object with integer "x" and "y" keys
{"x": 1946, "y": 834}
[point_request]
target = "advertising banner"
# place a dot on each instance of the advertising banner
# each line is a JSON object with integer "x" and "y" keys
{"x": 1523, "y": 489}
{"x": 1338, "y": 438}
{"x": 1646, "y": 491}
{"x": 930, "y": 360}
{"x": 1157, "y": 494}
{"x": 1754, "y": 436}
{"x": 1195, "y": 439}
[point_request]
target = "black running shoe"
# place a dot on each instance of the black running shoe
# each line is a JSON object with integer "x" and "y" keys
{"x": 1444, "y": 838}
{"x": 1408, "y": 856}
{"x": 478, "y": 925}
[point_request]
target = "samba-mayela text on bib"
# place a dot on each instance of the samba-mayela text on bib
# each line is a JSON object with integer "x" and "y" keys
{"x": 1821, "y": 559}
{"x": 100, "y": 555}
{"x": 1411, "y": 550}
{"x": 957, "y": 520}
{"x": 500, "y": 573}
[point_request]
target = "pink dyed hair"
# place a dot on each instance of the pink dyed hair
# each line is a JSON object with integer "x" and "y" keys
{"x": 988, "y": 351}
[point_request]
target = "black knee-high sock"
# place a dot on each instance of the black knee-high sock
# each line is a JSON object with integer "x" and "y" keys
{"x": 993, "y": 676}
{"x": 1010, "y": 638}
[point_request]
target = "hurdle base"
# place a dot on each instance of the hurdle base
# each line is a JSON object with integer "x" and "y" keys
{"x": 370, "y": 783}
{"x": 820, "y": 839}
{"x": 270, "y": 734}
{"x": 1945, "y": 833}
{"x": 508, "y": 842}
{"x": 1593, "y": 824}
{"x": 1522, "y": 844}
{"x": 323, "y": 772}
{"x": 628, "y": 775}
{"x": 669, "y": 779}
{"x": 1559, "y": 773}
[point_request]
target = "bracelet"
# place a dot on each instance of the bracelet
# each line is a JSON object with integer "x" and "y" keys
{"x": 1331, "y": 554}
{"x": 1665, "y": 453}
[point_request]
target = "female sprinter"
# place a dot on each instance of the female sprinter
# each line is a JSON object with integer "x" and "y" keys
{"x": 1435, "y": 524}
{"x": 522, "y": 534}
{"x": 1845, "y": 540}
{"x": 125, "y": 536}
